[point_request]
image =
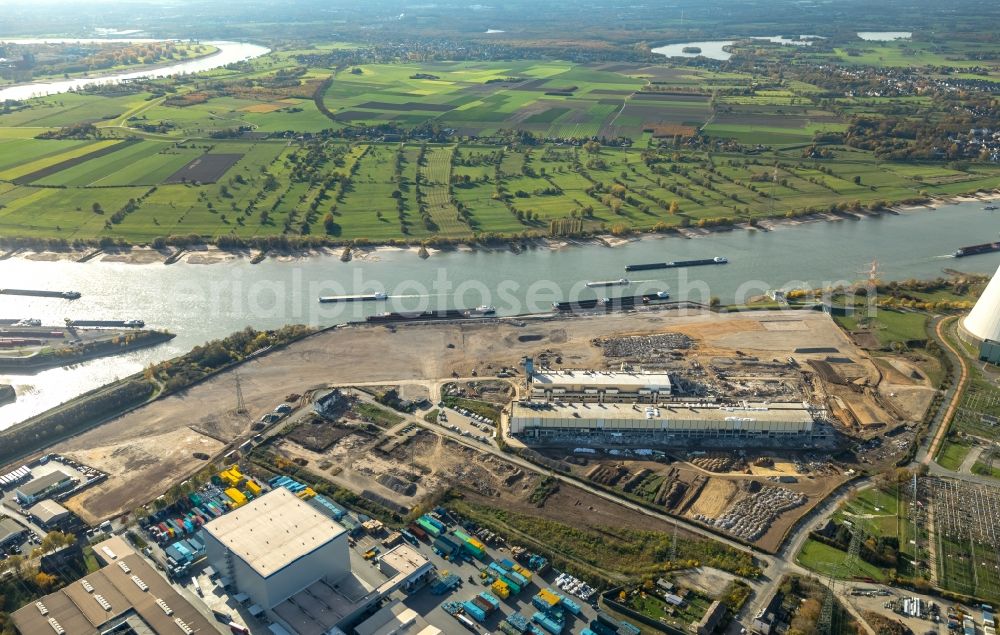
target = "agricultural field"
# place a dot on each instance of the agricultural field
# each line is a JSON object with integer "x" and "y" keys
{"x": 452, "y": 151}
{"x": 382, "y": 191}
{"x": 548, "y": 98}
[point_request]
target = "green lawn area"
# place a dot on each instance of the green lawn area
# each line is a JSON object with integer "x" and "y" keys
{"x": 952, "y": 454}
{"x": 379, "y": 416}
{"x": 827, "y": 560}
{"x": 891, "y": 327}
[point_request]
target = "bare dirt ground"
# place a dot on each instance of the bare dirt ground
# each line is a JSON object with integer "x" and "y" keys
{"x": 377, "y": 353}
{"x": 714, "y": 499}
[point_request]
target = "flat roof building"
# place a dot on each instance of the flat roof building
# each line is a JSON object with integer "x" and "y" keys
{"x": 536, "y": 419}
{"x": 275, "y": 546}
{"x": 127, "y": 590}
{"x": 600, "y": 386}
{"x": 294, "y": 563}
{"x": 43, "y": 487}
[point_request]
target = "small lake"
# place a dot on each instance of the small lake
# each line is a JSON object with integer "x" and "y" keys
{"x": 884, "y": 36}
{"x": 228, "y": 53}
{"x": 715, "y": 49}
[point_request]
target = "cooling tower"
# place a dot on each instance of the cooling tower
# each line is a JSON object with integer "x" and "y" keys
{"x": 983, "y": 322}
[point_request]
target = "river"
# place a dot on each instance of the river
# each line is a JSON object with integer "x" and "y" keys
{"x": 199, "y": 302}
{"x": 228, "y": 53}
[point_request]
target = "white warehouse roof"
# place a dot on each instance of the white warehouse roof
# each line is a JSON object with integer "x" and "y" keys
{"x": 601, "y": 379}
{"x": 274, "y": 531}
{"x": 983, "y": 322}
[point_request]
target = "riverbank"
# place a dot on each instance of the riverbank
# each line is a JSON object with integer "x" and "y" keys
{"x": 110, "y": 72}
{"x": 206, "y": 254}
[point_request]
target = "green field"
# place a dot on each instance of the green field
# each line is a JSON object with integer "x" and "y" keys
{"x": 454, "y": 151}
{"x": 829, "y": 561}
{"x": 952, "y": 454}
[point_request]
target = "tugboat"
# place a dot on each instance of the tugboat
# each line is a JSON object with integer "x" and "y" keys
{"x": 620, "y": 282}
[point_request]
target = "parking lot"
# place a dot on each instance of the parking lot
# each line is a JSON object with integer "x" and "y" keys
{"x": 467, "y": 424}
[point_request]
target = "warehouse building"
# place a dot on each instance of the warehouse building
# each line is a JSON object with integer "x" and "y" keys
{"x": 49, "y": 514}
{"x": 126, "y": 594}
{"x": 670, "y": 421}
{"x": 295, "y": 565}
{"x": 600, "y": 386}
{"x": 43, "y": 487}
{"x": 11, "y": 532}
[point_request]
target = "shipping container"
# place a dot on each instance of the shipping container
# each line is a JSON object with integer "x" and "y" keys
{"x": 500, "y": 589}
{"x": 547, "y": 622}
{"x": 417, "y": 531}
{"x": 489, "y": 597}
{"x": 483, "y": 604}
{"x": 517, "y": 577}
{"x": 570, "y": 605}
{"x": 515, "y": 588}
{"x": 434, "y": 521}
{"x": 474, "y": 611}
{"x": 428, "y": 527}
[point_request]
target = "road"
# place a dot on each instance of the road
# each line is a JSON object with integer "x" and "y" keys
{"x": 939, "y": 426}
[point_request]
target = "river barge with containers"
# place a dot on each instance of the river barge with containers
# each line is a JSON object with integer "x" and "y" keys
{"x": 42, "y": 293}
{"x": 610, "y": 304}
{"x": 363, "y": 297}
{"x": 130, "y": 324}
{"x": 975, "y": 250}
{"x": 419, "y": 316}
{"x": 674, "y": 264}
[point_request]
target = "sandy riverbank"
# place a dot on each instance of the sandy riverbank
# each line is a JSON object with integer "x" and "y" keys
{"x": 210, "y": 254}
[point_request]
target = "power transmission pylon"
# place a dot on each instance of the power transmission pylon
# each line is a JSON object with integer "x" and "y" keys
{"x": 825, "y": 624}
{"x": 241, "y": 405}
{"x": 673, "y": 545}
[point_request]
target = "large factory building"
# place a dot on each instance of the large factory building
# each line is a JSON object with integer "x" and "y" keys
{"x": 671, "y": 420}
{"x": 296, "y": 566}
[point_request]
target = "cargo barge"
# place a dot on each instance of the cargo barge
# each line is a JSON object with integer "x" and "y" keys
{"x": 41, "y": 293}
{"x": 620, "y": 282}
{"x": 364, "y": 297}
{"x": 445, "y": 314}
{"x": 20, "y": 322}
{"x": 718, "y": 260}
{"x": 975, "y": 250}
{"x": 132, "y": 324}
{"x": 610, "y": 304}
